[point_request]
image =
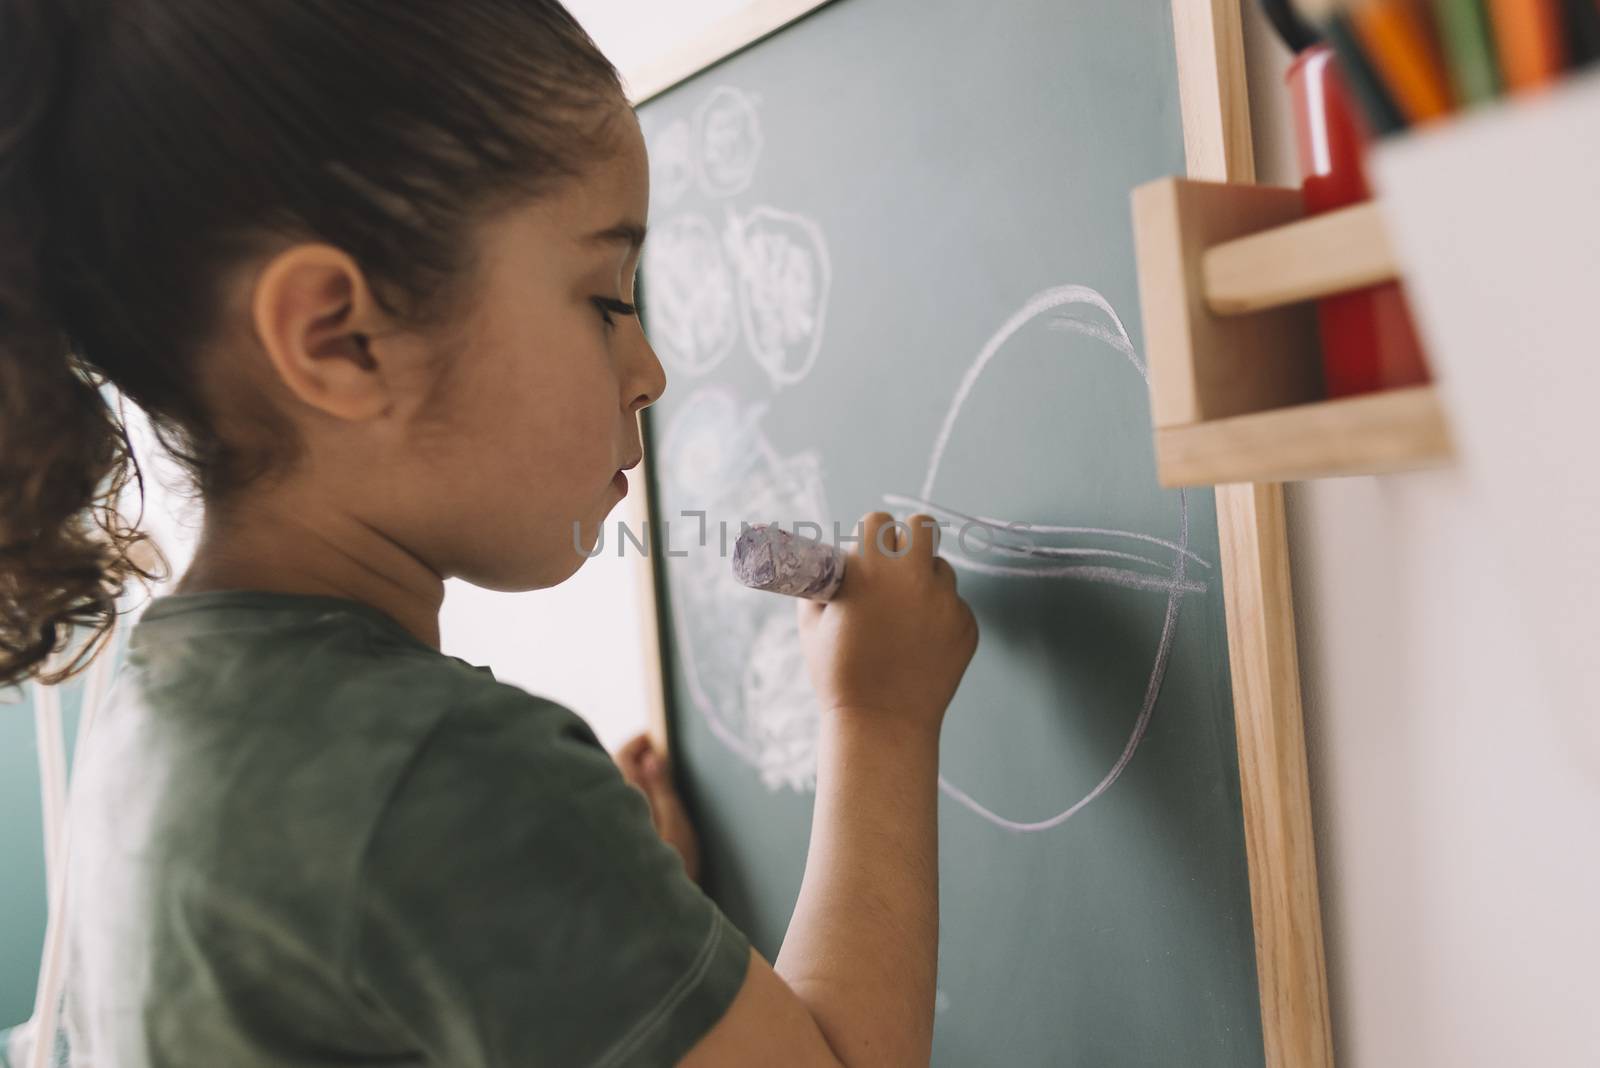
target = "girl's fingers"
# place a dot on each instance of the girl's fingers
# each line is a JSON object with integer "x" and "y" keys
{"x": 807, "y": 612}
{"x": 634, "y": 749}
{"x": 924, "y": 534}
{"x": 645, "y": 767}
{"x": 632, "y": 757}
{"x": 883, "y": 535}
{"x": 875, "y": 540}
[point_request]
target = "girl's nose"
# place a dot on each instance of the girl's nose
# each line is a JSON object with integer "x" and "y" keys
{"x": 647, "y": 379}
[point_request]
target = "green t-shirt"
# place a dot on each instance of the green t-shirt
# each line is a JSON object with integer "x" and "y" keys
{"x": 301, "y": 837}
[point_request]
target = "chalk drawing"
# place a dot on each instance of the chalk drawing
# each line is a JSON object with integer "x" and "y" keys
{"x": 784, "y": 276}
{"x": 1035, "y": 560}
{"x": 743, "y": 666}
{"x": 768, "y": 274}
{"x": 742, "y": 661}
{"x": 671, "y": 163}
{"x": 1003, "y": 529}
{"x": 1068, "y": 306}
{"x": 694, "y": 316}
{"x": 779, "y": 705}
{"x": 728, "y": 139}
{"x": 769, "y": 277}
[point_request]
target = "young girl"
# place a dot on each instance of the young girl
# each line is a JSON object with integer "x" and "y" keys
{"x": 368, "y": 267}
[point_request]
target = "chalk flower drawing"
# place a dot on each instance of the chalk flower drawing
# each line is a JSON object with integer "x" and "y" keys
{"x": 741, "y": 653}
{"x": 671, "y": 162}
{"x": 780, "y": 712}
{"x": 694, "y": 316}
{"x": 729, "y": 141}
{"x": 784, "y": 278}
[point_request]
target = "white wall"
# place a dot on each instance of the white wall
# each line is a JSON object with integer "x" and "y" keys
{"x": 578, "y": 643}
{"x": 637, "y": 33}
{"x": 1457, "y": 816}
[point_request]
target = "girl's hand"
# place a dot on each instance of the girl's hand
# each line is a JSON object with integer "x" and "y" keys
{"x": 644, "y": 767}
{"x": 890, "y": 649}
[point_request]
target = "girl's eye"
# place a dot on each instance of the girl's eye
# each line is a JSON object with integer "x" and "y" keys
{"x": 609, "y": 307}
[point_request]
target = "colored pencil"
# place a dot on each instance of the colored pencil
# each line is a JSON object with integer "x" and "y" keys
{"x": 1328, "y": 16}
{"x": 1527, "y": 36}
{"x": 1399, "y": 45}
{"x": 1294, "y": 30}
{"x": 1582, "y": 25}
{"x": 1468, "y": 49}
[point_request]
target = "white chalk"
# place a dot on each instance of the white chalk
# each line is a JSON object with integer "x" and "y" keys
{"x": 766, "y": 557}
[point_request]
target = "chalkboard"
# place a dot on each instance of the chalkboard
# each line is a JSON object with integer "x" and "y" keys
{"x": 890, "y": 265}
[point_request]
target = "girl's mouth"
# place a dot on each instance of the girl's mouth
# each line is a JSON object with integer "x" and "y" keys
{"x": 620, "y": 480}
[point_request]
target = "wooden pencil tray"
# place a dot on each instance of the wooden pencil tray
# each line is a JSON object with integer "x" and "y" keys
{"x": 1225, "y": 276}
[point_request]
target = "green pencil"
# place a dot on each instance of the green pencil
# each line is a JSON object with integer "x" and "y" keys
{"x": 1468, "y": 49}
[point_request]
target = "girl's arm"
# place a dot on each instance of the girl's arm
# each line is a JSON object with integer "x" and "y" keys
{"x": 862, "y": 948}
{"x": 854, "y": 982}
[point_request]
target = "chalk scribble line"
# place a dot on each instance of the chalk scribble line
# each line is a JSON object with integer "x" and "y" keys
{"x": 1003, "y": 528}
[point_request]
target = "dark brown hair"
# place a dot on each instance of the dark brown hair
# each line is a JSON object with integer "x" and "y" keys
{"x": 147, "y": 146}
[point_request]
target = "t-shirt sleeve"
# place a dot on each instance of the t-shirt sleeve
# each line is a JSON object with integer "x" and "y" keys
{"x": 516, "y": 906}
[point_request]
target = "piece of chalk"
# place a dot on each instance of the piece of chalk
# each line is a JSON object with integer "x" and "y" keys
{"x": 766, "y": 557}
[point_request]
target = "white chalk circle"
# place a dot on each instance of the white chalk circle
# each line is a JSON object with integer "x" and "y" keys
{"x": 671, "y": 163}
{"x": 784, "y": 275}
{"x": 709, "y": 446}
{"x": 693, "y": 310}
{"x": 1080, "y": 310}
{"x": 728, "y": 139}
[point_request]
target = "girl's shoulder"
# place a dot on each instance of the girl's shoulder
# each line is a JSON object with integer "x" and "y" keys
{"x": 288, "y": 655}
{"x": 248, "y": 732}
{"x": 272, "y": 710}
{"x": 297, "y": 680}
{"x": 267, "y": 770}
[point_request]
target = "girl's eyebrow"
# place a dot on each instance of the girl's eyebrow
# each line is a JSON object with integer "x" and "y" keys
{"x": 627, "y": 232}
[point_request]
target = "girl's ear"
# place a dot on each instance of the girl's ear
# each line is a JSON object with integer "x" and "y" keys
{"x": 315, "y": 317}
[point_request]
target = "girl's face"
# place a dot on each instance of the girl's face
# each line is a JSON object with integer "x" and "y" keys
{"x": 489, "y": 450}
{"x": 521, "y": 445}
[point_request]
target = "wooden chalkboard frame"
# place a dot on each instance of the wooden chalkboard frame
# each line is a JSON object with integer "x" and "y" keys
{"x": 1268, "y": 723}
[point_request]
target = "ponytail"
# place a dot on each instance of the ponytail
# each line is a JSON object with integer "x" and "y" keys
{"x": 64, "y": 454}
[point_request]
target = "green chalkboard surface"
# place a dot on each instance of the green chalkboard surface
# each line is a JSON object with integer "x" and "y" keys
{"x": 891, "y": 266}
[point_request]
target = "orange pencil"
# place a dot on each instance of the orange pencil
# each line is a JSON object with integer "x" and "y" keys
{"x": 1400, "y": 45}
{"x": 1527, "y": 37}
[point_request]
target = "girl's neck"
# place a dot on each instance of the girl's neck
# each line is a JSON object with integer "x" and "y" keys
{"x": 282, "y": 542}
